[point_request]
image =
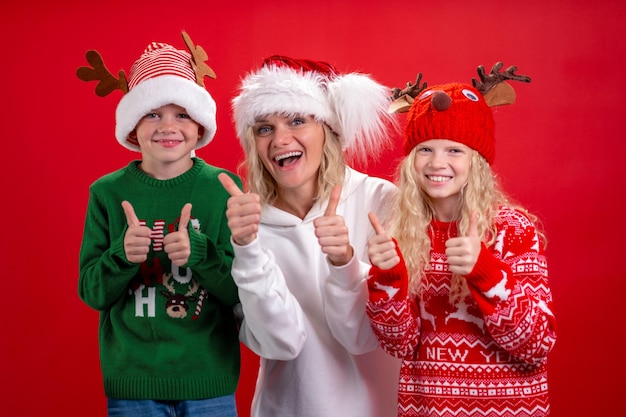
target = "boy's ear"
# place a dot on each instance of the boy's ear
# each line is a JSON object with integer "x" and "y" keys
{"x": 200, "y": 132}
{"x": 132, "y": 138}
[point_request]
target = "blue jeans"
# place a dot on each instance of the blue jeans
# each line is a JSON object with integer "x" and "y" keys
{"x": 215, "y": 407}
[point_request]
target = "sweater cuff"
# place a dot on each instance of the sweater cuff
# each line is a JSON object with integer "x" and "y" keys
{"x": 487, "y": 272}
{"x": 117, "y": 250}
{"x": 389, "y": 284}
{"x": 199, "y": 248}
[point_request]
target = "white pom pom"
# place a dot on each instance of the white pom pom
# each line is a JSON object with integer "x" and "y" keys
{"x": 363, "y": 122}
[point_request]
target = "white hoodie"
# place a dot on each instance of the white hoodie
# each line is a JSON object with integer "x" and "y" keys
{"x": 306, "y": 319}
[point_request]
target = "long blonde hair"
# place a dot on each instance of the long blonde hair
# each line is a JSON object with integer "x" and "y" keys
{"x": 410, "y": 218}
{"x": 259, "y": 180}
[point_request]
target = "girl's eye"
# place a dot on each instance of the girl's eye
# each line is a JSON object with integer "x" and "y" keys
{"x": 151, "y": 116}
{"x": 184, "y": 116}
{"x": 470, "y": 95}
{"x": 426, "y": 94}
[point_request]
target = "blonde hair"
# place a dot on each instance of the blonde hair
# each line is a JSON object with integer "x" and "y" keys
{"x": 259, "y": 180}
{"x": 410, "y": 219}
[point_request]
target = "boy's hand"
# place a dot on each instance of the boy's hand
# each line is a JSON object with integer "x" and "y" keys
{"x": 137, "y": 238}
{"x": 176, "y": 244}
{"x": 462, "y": 252}
{"x": 332, "y": 232}
{"x": 243, "y": 212}
{"x": 381, "y": 249}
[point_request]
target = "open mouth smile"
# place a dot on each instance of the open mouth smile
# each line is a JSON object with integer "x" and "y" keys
{"x": 287, "y": 159}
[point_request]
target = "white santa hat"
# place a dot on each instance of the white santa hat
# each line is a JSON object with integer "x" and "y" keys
{"x": 353, "y": 105}
{"x": 164, "y": 75}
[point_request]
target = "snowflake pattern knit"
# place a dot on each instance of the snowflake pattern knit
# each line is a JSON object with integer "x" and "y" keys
{"x": 484, "y": 356}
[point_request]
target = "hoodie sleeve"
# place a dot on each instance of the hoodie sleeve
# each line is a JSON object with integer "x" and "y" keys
{"x": 273, "y": 325}
{"x": 345, "y": 289}
{"x": 345, "y": 299}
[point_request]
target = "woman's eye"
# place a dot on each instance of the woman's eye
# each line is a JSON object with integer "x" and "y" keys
{"x": 297, "y": 121}
{"x": 263, "y": 130}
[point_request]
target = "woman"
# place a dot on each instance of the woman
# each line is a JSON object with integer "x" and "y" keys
{"x": 300, "y": 237}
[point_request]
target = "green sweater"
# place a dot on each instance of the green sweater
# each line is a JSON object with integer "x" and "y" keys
{"x": 166, "y": 333}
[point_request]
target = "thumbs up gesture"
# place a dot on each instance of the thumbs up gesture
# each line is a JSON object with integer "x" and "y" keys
{"x": 462, "y": 252}
{"x": 243, "y": 212}
{"x": 332, "y": 232}
{"x": 176, "y": 244}
{"x": 389, "y": 279}
{"x": 381, "y": 249}
{"x": 137, "y": 238}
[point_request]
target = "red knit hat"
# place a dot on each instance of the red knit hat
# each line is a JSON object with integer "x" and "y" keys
{"x": 453, "y": 111}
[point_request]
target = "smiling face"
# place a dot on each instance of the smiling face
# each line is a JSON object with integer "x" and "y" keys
{"x": 443, "y": 168}
{"x": 166, "y": 137}
{"x": 291, "y": 149}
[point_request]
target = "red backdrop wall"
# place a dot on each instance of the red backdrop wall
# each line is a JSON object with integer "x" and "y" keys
{"x": 560, "y": 150}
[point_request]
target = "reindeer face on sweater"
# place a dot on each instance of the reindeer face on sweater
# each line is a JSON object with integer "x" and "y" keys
{"x": 177, "y": 304}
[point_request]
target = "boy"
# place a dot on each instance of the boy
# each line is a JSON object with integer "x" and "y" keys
{"x": 156, "y": 256}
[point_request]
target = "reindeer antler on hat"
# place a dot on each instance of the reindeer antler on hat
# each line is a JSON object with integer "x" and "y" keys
{"x": 455, "y": 111}
{"x": 162, "y": 75}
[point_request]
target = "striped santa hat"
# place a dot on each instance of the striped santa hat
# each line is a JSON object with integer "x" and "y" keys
{"x": 164, "y": 75}
{"x": 353, "y": 105}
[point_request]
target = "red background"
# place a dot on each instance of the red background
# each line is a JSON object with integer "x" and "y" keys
{"x": 560, "y": 150}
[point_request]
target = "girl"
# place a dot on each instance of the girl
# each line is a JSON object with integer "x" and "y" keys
{"x": 461, "y": 293}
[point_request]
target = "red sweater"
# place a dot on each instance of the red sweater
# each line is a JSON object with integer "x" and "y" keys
{"x": 485, "y": 355}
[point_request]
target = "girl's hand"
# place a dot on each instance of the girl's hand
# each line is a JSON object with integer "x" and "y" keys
{"x": 381, "y": 249}
{"x": 462, "y": 252}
